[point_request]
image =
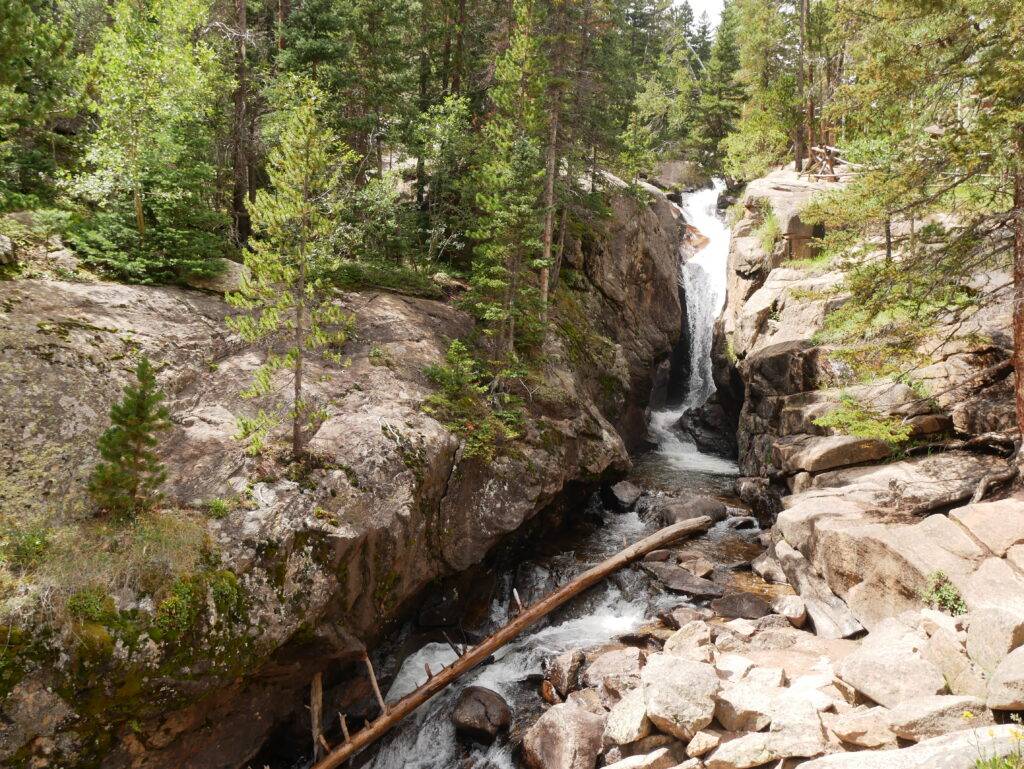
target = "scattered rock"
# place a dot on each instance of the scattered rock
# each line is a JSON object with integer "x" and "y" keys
{"x": 662, "y": 758}
{"x": 563, "y": 671}
{"x": 565, "y": 737}
{"x": 679, "y": 580}
{"x": 615, "y": 672}
{"x": 962, "y": 674}
{"x": 680, "y": 694}
{"x": 680, "y": 615}
{"x": 640, "y": 747}
{"x": 959, "y": 750}
{"x": 659, "y": 556}
{"x": 732, "y": 667}
{"x": 768, "y": 568}
{"x": 992, "y": 633}
{"x": 703, "y": 742}
{"x": 865, "y": 727}
{"x": 741, "y": 605}
{"x": 227, "y": 280}
{"x": 767, "y": 677}
{"x": 8, "y": 255}
{"x": 686, "y": 641}
{"x": 63, "y": 260}
{"x": 746, "y": 707}
{"x": 695, "y": 563}
{"x": 588, "y": 699}
{"x": 1006, "y": 687}
{"x": 793, "y": 608}
{"x": 624, "y": 495}
{"x": 627, "y": 720}
{"x": 480, "y": 715}
{"x": 831, "y": 617}
{"x": 889, "y": 667}
{"x": 921, "y": 718}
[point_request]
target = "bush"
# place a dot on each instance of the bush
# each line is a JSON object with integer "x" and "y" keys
{"x": 943, "y": 595}
{"x": 852, "y": 417}
{"x": 464, "y": 405}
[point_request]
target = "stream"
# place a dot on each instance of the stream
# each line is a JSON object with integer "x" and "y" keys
{"x": 675, "y": 467}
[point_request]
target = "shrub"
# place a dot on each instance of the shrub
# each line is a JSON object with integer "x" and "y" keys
{"x": 128, "y": 480}
{"x": 218, "y": 508}
{"x": 484, "y": 420}
{"x": 942, "y": 594}
{"x": 852, "y": 417}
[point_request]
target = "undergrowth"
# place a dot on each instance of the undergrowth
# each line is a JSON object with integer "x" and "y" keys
{"x": 485, "y": 419}
{"x": 942, "y": 594}
{"x": 851, "y": 417}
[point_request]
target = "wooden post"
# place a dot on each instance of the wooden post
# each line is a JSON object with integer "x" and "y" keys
{"x": 485, "y": 649}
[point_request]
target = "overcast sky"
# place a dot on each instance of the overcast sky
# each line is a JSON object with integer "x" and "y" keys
{"x": 713, "y": 8}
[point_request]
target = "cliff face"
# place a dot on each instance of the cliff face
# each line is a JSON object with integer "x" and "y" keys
{"x": 303, "y": 568}
{"x": 847, "y": 509}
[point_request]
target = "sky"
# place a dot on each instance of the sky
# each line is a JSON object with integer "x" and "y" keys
{"x": 713, "y": 8}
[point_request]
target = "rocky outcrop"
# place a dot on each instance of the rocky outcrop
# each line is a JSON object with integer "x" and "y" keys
{"x": 306, "y": 566}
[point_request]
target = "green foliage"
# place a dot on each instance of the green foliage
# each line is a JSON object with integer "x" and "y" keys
{"x": 351, "y": 275}
{"x": 23, "y": 546}
{"x": 128, "y": 480}
{"x": 91, "y": 604}
{"x": 852, "y": 417}
{"x": 179, "y": 611}
{"x": 154, "y": 85}
{"x": 219, "y": 508}
{"x": 943, "y": 595}
{"x": 289, "y": 292}
{"x": 485, "y": 421}
{"x": 768, "y": 231}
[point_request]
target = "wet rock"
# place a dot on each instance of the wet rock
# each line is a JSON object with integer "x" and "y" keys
{"x": 924, "y": 717}
{"x": 695, "y": 563}
{"x": 623, "y": 495}
{"x": 565, "y": 737}
{"x": 679, "y": 580}
{"x": 480, "y": 715}
{"x": 889, "y": 666}
{"x": 440, "y": 609}
{"x": 627, "y": 720}
{"x": 793, "y": 608}
{"x": 660, "y": 556}
{"x": 959, "y": 750}
{"x": 741, "y": 605}
{"x": 680, "y": 694}
{"x": 563, "y": 671}
{"x": 678, "y": 511}
{"x": 865, "y": 728}
{"x": 761, "y": 496}
{"x": 1006, "y": 687}
{"x": 741, "y": 522}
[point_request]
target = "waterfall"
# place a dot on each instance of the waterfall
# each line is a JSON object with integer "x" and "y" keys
{"x": 703, "y": 277}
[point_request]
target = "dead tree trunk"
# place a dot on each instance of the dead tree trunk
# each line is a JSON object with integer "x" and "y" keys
{"x": 1018, "y": 278}
{"x": 473, "y": 657}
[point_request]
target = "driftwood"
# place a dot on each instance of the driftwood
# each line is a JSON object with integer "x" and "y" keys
{"x": 479, "y": 653}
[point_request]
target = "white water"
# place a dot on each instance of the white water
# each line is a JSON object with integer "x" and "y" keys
{"x": 427, "y": 739}
{"x": 703, "y": 277}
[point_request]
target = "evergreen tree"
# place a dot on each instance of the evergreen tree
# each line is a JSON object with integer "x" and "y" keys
{"x": 721, "y": 97}
{"x": 127, "y": 481}
{"x": 155, "y": 84}
{"x": 288, "y": 292}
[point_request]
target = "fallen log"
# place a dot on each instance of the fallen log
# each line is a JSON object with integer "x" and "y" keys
{"x": 477, "y": 654}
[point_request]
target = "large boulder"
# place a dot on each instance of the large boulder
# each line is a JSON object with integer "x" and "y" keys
{"x": 565, "y": 737}
{"x": 889, "y": 667}
{"x": 680, "y": 580}
{"x": 745, "y": 605}
{"x": 962, "y": 675}
{"x": 1006, "y": 686}
{"x": 676, "y": 511}
{"x": 997, "y": 525}
{"x": 228, "y": 278}
{"x": 623, "y": 495}
{"x": 993, "y": 632}
{"x": 563, "y": 671}
{"x": 480, "y": 715}
{"x": 680, "y": 694}
{"x": 921, "y": 718}
{"x": 959, "y": 750}
{"x": 865, "y": 728}
{"x": 627, "y": 720}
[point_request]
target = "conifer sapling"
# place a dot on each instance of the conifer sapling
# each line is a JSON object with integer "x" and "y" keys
{"x": 128, "y": 480}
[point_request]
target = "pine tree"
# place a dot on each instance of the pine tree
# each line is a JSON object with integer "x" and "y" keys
{"x": 289, "y": 292}
{"x": 127, "y": 481}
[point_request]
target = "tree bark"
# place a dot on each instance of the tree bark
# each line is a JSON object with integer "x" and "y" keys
{"x": 550, "y": 173}
{"x": 1018, "y": 278}
{"x": 459, "y": 48}
{"x": 140, "y": 218}
{"x": 798, "y": 149}
{"x": 240, "y": 191}
{"x": 476, "y": 655}
{"x": 284, "y": 9}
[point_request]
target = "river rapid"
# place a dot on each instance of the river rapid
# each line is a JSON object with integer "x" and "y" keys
{"x": 614, "y": 608}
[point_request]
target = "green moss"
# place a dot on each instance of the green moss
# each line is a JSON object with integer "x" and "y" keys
{"x": 176, "y": 615}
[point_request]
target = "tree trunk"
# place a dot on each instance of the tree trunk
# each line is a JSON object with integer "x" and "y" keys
{"x": 550, "y": 174}
{"x": 140, "y": 218}
{"x": 459, "y": 47}
{"x": 284, "y": 9}
{"x": 240, "y": 191}
{"x": 300, "y": 319}
{"x": 798, "y": 149}
{"x": 476, "y": 655}
{"x": 1018, "y": 278}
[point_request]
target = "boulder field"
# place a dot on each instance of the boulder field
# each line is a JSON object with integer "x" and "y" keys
{"x": 304, "y": 571}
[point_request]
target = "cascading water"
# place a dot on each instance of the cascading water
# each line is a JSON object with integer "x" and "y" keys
{"x": 703, "y": 278}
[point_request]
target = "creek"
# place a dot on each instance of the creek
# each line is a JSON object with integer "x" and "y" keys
{"x": 674, "y": 467}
